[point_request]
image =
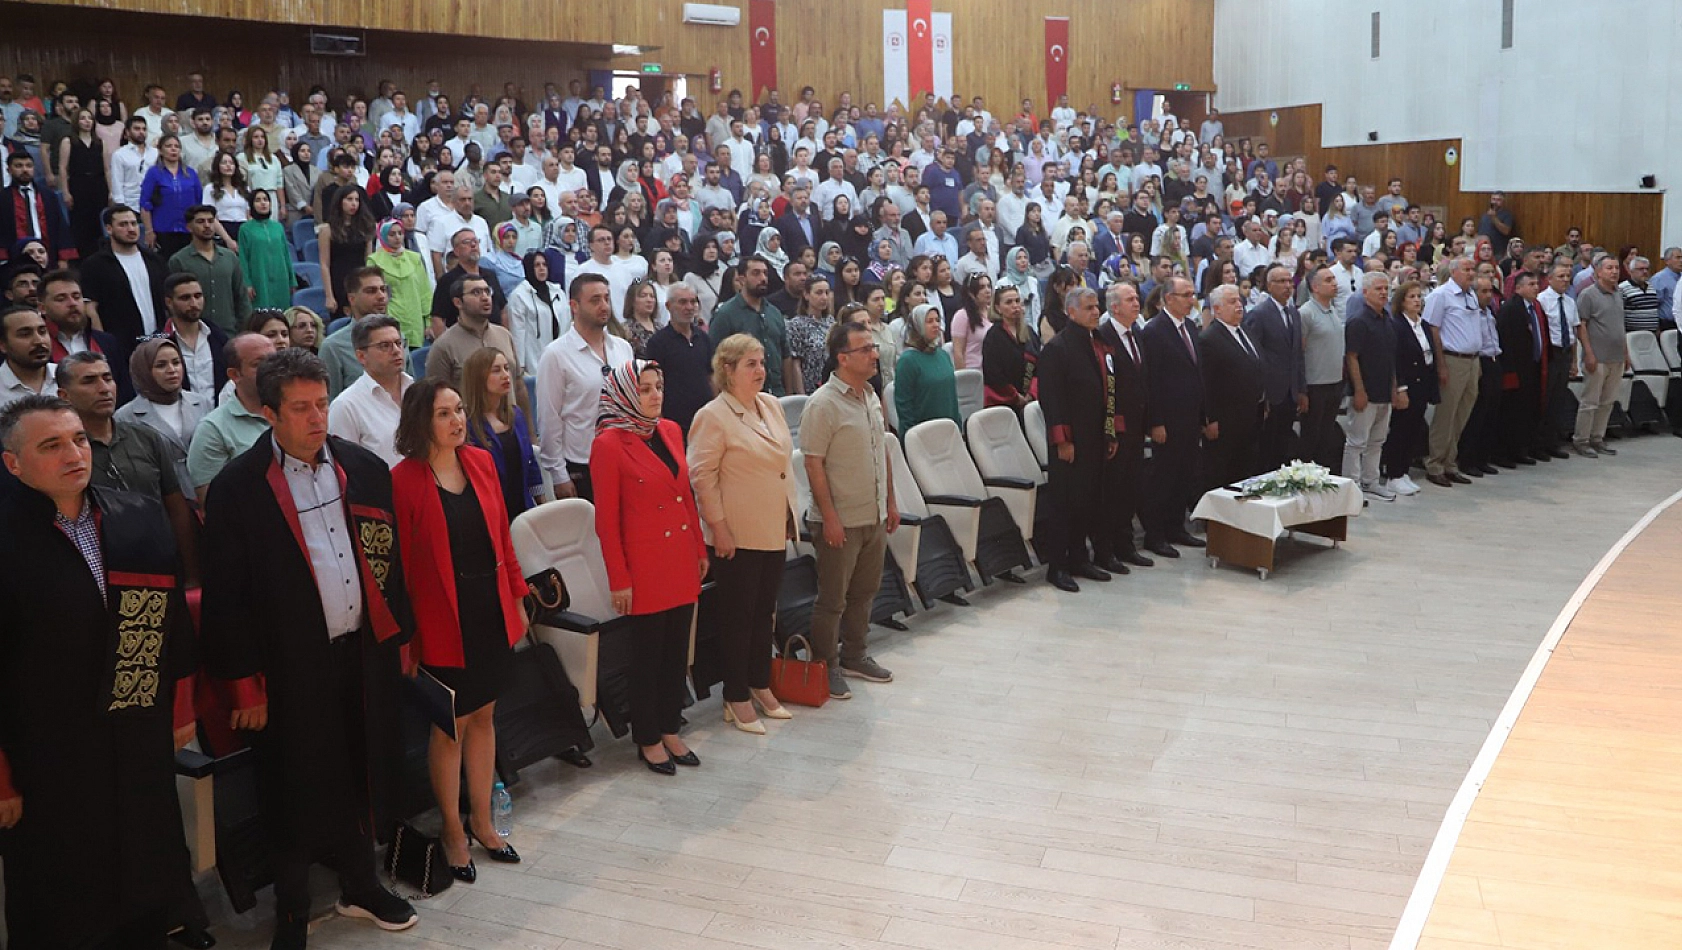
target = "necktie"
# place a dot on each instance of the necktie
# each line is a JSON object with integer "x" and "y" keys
{"x": 1132, "y": 351}
{"x": 1245, "y": 342}
{"x": 1191, "y": 349}
{"x": 1538, "y": 330}
{"x": 1564, "y": 327}
{"x": 34, "y": 216}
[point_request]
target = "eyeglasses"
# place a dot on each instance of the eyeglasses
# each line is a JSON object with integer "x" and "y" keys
{"x": 386, "y": 346}
{"x": 866, "y": 348}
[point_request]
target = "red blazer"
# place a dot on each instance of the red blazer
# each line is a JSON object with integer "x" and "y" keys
{"x": 427, "y": 567}
{"x": 646, "y": 519}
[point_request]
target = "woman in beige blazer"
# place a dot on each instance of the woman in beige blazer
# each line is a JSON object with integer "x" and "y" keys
{"x": 741, "y": 461}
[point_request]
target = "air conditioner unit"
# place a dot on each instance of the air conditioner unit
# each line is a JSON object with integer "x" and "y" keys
{"x": 711, "y": 14}
{"x": 337, "y": 44}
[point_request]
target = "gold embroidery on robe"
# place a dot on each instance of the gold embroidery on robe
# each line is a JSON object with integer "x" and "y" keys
{"x": 377, "y": 539}
{"x": 140, "y": 644}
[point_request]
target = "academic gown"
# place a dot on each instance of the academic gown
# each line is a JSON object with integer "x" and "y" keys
{"x": 263, "y": 630}
{"x": 88, "y": 690}
{"x": 1077, "y": 396}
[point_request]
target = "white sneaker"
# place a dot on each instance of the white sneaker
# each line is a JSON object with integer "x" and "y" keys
{"x": 1379, "y": 491}
{"x": 1402, "y": 486}
{"x": 1413, "y": 486}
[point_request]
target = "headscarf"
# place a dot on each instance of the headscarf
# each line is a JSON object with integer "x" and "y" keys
{"x": 506, "y": 227}
{"x": 621, "y": 406}
{"x": 778, "y": 259}
{"x": 627, "y": 176}
{"x": 735, "y": 256}
{"x": 1018, "y": 277}
{"x": 823, "y": 257}
{"x": 541, "y": 286}
{"x": 140, "y": 370}
{"x": 388, "y": 231}
{"x": 700, "y": 266}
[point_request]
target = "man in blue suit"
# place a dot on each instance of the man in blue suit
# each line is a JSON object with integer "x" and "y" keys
{"x": 1175, "y": 391}
{"x": 1276, "y": 330}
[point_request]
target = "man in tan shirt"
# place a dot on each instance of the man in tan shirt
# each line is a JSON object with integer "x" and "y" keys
{"x": 844, "y": 443}
{"x": 472, "y": 332}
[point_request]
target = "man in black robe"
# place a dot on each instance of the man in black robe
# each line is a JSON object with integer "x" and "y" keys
{"x": 1077, "y": 393}
{"x": 1124, "y": 472}
{"x": 93, "y": 640}
{"x": 304, "y": 615}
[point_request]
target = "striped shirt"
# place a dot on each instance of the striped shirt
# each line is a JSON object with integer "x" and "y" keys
{"x": 1641, "y": 307}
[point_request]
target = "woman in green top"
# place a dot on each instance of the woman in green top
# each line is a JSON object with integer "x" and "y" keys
{"x": 265, "y": 256}
{"x": 925, "y": 383}
{"x": 405, "y": 277}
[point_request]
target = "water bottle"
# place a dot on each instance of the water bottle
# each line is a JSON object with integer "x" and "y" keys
{"x": 502, "y": 810}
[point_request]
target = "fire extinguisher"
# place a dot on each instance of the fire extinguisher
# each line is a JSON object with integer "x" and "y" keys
{"x": 715, "y": 80}
{"x": 1115, "y": 93}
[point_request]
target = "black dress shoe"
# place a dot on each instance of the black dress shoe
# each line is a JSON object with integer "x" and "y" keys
{"x": 1161, "y": 549}
{"x": 575, "y": 757}
{"x": 1186, "y": 539}
{"x": 1137, "y": 560}
{"x": 1114, "y": 565}
{"x": 506, "y": 854}
{"x": 1490, "y": 469}
{"x": 1541, "y": 456}
{"x": 1476, "y": 471}
{"x": 1555, "y": 451}
{"x": 688, "y": 759}
{"x": 291, "y": 933}
{"x": 1527, "y": 460}
{"x": 1090, "y": 571}
{"x": 667, "y": 767}
{"x": 1061, "y": 580}
{"x": 1458, "y": 478}
{"x": 1506, "y": 464}
{"x": 466, "y": 875}
{"x": 193, "y": 937}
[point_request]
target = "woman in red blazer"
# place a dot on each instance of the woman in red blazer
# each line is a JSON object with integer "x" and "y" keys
{"x": 651, "y": 542}
{"x": 466, "y": 589}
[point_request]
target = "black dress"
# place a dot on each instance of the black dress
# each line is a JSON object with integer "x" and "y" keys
{"x": 88, "y": 191}
{"x": 342, "y": 258}
{"x": 484, "y": 633}
{"x": 514, "y": 495}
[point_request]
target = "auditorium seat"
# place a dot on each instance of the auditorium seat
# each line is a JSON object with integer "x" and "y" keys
{"x": 310, "y": 250}
{"x": 793, "y": 406}
{"x": 315, "y": 298}
{"x": 1668, "y": 346}
{"x": 1648, "y": 370}
{"x": 972, "y": 393}
{"x": 888, "y": 405}
{"x": 949, "y": 480}
{"x": 593, "y": 645}
{"x": 1006, "y": 463}
{"x": 1033, "y": 425}
{"x": 417, "y": 360}
{"x": 309, "y": 272}
{"x": 893, "y": 597}
{"x": 337, "y": 324}
{"x": 934, "y": 562}
{"x": 303, "y": 231}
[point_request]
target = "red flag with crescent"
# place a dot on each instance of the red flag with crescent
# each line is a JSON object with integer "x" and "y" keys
{"x": 762, "y": 44}
{"x": 1056, "y": 59}
{"x": 919, "y": 22}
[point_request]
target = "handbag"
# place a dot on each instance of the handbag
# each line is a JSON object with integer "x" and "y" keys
{"x": 546, "y": 596}
{"x": 418, "y": 861}
{"x": 802, "y": 682}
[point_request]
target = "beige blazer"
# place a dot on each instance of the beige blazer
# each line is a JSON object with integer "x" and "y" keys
{"x": 740, "y": 466}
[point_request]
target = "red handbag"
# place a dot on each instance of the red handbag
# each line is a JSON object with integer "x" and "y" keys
{"x": 801, "y": 682}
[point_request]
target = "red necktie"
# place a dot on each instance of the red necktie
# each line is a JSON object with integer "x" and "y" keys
{"x": 1186, "y": 336}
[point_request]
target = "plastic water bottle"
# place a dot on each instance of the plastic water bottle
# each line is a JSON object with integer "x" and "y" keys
{"x": 502, "y": 810}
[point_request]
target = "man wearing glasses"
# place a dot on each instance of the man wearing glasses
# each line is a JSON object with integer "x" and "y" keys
{"x": 1176, "y": 396}
{"x": 473, "y": 331}
{"x": 368, "y": 410}
{"x": 466, "y": 244}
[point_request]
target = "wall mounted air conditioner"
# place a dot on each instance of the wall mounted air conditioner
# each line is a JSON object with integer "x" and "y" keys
{"x": 337, "y": 44}
{"x": 711, "y": 14}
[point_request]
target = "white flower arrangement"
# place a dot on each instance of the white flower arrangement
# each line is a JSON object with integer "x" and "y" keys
{"x": 1297, "y": 478}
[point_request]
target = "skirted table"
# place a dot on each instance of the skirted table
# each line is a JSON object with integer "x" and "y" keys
{"x": 1243, "y": 529}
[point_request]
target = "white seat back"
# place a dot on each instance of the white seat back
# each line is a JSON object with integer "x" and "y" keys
{"x": 1033, "y": 425}
{"x": 1668, "y": 346}
{"x": 907, "y": 496}
{"x": 972, "y": 393}
{"x": 1644, "y": 353}
{"x": 999, "y": 448}
{"x": 888, "y": 404}
{"x": 793, "y": 406}
{"x": 562, "y": 535}
{"x": 939, "y": 460}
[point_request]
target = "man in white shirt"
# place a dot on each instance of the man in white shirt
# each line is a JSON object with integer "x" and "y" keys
{"x": 27, "y": 346}
{"x": 568, "y": 176}
{"x": 1145, "y": 170}
{"x": 154, "y": 113}
{"x": 802, "y": 169}
{"x": 938, "y": 240}
{"x": 619, "y": 277}
{"x": 569, "y": 383}
{"x": 198, "y": 147}
{"x": 399, "y": 115}
{"x": 832, "y": 187}
{"x": 130, "y": 162}
{"x": 1375, "y": 240}
{"x": 976, "y": 261}
{"x": 1347, "y": 274}
{"x": 439, "y": 206}
{"x": 368, "y": 410}
{"x": 1251, "y": 252}
{"x": 1062, "y": 116}
{"x": 458, "y": 146}
{"x": 1013, "y": 204}
{"x": 442, "y": 234}
{"x": 482, "y": 130}
{"x": 741, "y": 150}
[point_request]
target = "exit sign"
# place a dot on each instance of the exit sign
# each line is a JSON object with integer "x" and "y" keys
{"x": 1178, "y": 87}
{"x": 651, "y": 67}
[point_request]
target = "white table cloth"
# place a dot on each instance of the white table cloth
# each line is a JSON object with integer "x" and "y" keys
{"x": 1272, "y": 517}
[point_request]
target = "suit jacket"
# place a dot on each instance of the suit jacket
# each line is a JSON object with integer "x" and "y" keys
{"x": 218, "y": 364}
{"x": 1411, "y": 369}
{"x": 1104, "y": 244}
{"x": 1072, "y": 389}
{"x": 106, "y": 283}
{"x": 1005, "y": 239}
{"x": 428, "y": 570}
{"x": 1232, "y": 380}
{"x": 1132, "y": 402}
{"x": 1175, "y": 383}
{"x": 1515, "y": 326}
{"x": 1284, "y": 367}
{"x": 740, "y": 471}
{"x": 195, "y": 407}
{"x": 55, "y": 221}
{"x": 646, "y": 519}
{"x": 794, "y": 239}
{"x": 114, "y": 352}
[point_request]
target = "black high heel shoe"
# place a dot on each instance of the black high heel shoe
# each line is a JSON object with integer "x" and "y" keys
{"x": 466, "y": 875}
{"x": 503, "y": 855}
{"x": 688, "y": 759}
{"x": 668, "y": 767}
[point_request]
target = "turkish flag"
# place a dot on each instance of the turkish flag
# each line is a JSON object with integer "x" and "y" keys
{"x": 919, "y": 21}
{"x": 762, "y": 44}
{"x": 1056, "y": 59}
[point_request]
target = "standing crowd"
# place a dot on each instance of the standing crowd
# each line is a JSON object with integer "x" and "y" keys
{"x": 276, "y": 382}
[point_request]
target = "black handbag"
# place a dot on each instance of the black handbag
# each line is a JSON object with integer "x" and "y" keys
{"x": 546, "y": 596}
{"x": 418, "y": 861}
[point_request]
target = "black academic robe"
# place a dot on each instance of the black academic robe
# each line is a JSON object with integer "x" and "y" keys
{"x": 262, "y": 617}
{"x": 87, "y": 718}
{"x": 1123, "y": 481}
{"x": 1078, "y": 400}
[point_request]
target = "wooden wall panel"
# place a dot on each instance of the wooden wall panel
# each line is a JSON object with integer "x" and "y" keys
{"x": 832, "y": 46}
{"x": 1613, "y": 219}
